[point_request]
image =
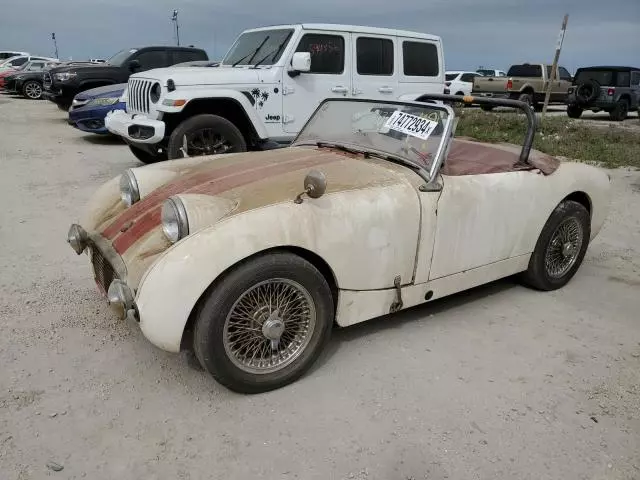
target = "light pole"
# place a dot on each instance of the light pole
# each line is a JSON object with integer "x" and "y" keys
{"x": 55, "y": 44}
{"x": 174, "y": 19}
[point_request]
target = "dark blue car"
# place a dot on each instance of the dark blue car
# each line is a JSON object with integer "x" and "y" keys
{"x": 89, "y": 108}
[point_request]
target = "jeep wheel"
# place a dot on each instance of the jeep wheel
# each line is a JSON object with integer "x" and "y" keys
{"x": 205, "y": 135}
{"x": 146, "y": 157}
{"x": 32, "y": 90}
{"x": 574, "y": 111}
{"x": 620, "y": 112}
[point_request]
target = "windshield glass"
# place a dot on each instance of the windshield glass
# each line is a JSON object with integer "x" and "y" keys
{"x": 251, "y": 47}
{"x": 603, "y": 77}
{"x": 409, "y": 132}
{"x": 119, "y": 58}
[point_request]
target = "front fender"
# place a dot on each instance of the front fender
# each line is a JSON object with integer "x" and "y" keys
{"x": 367, "y": 237}
{"x": 194, "y": 93}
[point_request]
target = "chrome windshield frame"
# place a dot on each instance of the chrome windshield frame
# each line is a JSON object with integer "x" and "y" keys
{"x": 430, "y": 174}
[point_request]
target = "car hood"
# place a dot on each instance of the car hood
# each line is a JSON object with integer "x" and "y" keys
{"x": 88, "y": 69}
{"x": 102, "y": 92}
{"x": 189, "y": 76}
{"x": 217, "y": 187}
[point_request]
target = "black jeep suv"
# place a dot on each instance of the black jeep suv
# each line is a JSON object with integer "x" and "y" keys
{"x": 613, "y": 89}
{"x": 63, "y": 83}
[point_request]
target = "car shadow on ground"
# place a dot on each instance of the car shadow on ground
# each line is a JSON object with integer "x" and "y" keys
{"x": 103, "y": 139}
{"x": 341, "y": 337}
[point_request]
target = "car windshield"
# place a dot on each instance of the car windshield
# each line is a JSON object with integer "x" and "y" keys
{"x": 603, "y": 77}
{"x": 409, "y": 132}
{"x": 264, "y": 46}
{"x": 119, "y": 58}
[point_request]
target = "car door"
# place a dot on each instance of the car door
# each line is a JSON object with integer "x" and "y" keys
{"x": 375, "y": 70}
{"x": 565, "y": 82}
{"x": 483, "y": 219}
{"x": 329, "y": 77}
{"x": 466, "y": 82}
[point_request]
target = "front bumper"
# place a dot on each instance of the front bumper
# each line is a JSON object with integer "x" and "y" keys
{"x": 91, "y": 118}
{"x": 109, "y": 270}
{"x": 135, "y": 128}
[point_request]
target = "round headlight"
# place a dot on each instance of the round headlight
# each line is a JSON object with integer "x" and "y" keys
{"x": 155, "y": 92}
{"x": 129, "y": 191}
{"x": 175, "y": 224}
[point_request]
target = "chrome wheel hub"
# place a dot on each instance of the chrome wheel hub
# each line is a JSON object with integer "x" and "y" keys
{"x": 269, "y": 326}
{"x": 564, "y": 247}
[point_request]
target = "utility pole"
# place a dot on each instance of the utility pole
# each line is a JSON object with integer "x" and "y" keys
{"x": 554, "y": 68}
{"x": 174, "y": 19}
{"x": 55, "y": 44}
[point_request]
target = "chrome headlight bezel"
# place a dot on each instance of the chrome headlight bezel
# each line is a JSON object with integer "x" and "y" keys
{"x": 103, "y": 101}
{"x": 175, "y": 223}
{"x": 129, "y": 190}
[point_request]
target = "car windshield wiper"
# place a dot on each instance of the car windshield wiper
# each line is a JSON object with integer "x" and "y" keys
{"x": 274, "y": 54}
{"x": 383, "y": 156}
{"x": 254, "y": 53}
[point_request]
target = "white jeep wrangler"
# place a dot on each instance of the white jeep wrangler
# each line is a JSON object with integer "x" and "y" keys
{"x": 268, "y": 85}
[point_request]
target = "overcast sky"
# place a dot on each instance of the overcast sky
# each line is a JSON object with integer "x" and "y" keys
{"x": 492, "y": 33}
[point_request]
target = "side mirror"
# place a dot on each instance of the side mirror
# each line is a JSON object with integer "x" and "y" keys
{"x": 300, "y": 63}
{"x": 315, "y": 184}
{"x": 134, "y": 65}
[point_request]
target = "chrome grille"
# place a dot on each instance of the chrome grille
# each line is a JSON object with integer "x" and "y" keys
{"x": 102, "y": 270}
{"x": 138, "y": 95}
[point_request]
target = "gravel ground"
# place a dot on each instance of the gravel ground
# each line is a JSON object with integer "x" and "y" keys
{"x": 497, "y": 383}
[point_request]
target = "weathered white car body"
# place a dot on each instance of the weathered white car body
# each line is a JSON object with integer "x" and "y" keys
{"x": 377, "y": 233}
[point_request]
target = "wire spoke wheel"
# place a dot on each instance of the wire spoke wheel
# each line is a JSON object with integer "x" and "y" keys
{"x": 564, "y": 247}
{"x": 269, "y": 326}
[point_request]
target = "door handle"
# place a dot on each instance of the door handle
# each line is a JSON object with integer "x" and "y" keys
{"x": 339, "y": 89}
{"x": 385, "y": 90}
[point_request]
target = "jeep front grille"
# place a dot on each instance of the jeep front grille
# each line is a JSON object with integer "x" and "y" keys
{"x": 138, "y": 95}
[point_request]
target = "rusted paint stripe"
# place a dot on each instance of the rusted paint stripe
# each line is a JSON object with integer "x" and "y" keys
{"x": 183, "y": 185}
{"x": 151, "y": 218}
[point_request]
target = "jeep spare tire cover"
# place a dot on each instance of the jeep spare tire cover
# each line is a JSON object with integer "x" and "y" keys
{"x": 587, "y": 91}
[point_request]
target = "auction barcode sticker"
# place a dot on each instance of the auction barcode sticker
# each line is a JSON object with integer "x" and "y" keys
{"x": 411, "y": 125}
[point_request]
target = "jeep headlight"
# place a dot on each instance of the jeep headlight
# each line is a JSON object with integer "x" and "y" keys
{"x": 129, "y": 190}
{"x": 103, "y": 102}
{"x": 175, "y": 224}
{"x": 156, "y": 91}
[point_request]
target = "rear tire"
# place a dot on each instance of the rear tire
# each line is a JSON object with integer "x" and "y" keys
{"x": 146, "y": 157}
{"x": 526, "y": 98}
{"x": 574, "y": 111}
{"x": 206, "y": 135}
{"x": 620, "y": 112}
{"x": 234, "y": 341}
{"x": 560, "y": 248}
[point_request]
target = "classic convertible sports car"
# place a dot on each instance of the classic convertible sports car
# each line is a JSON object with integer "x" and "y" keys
{"x": 249, "y": 259}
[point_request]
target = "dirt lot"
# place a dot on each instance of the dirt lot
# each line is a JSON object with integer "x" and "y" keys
{"x": 498, "y": 383}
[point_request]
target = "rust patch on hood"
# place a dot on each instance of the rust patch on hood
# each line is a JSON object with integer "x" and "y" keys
{"x": 252, "y": 180}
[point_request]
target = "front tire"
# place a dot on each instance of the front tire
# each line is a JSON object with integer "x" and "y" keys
{"x": 205, "y": 135}
{"x": 560, "y": 248}
{"x": 32, "y": 90}
{"x": 620, "y": 112}
{"x": 265, "y": 324}
{"x": 146, "y": 157}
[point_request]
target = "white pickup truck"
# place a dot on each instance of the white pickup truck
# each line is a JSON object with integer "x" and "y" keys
{"x": 268, "y": 85}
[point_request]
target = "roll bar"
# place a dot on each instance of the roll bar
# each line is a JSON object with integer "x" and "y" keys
{"x": 495, "y": 102}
